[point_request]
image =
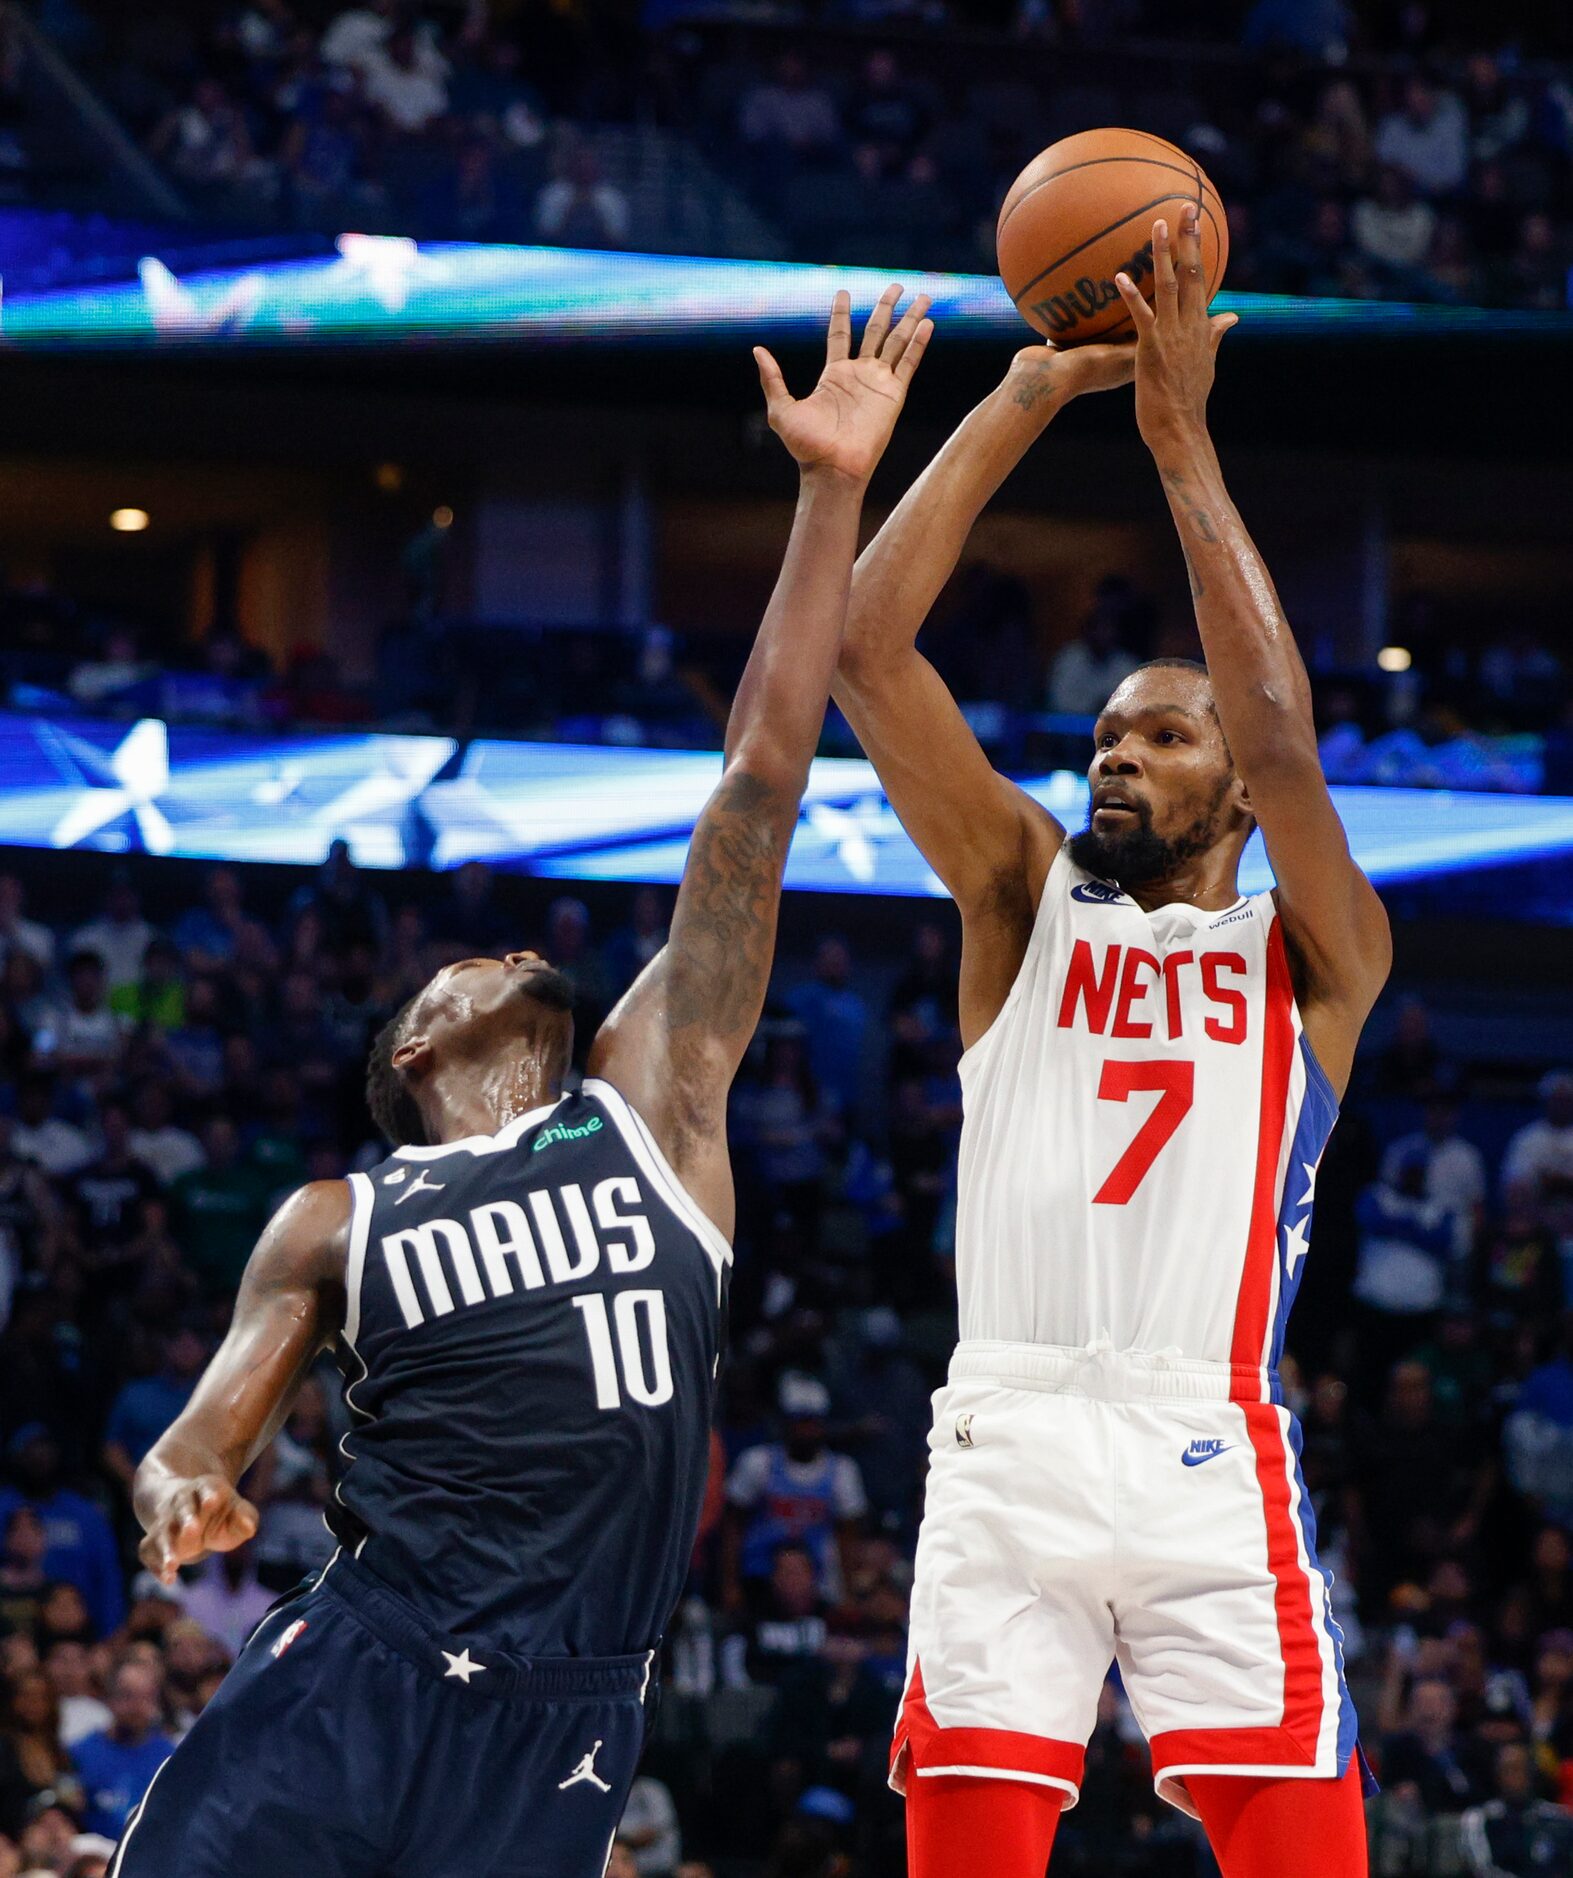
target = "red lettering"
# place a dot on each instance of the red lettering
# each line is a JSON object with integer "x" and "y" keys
{"x": 1133, "y": 993}
{"x": 1084, "y": 985}
{"x": 1233, "y": 1001}
{"x": 1171, "y": 985}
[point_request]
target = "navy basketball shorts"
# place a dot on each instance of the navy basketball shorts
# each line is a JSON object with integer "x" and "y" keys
{"x": 349, "y": 1741}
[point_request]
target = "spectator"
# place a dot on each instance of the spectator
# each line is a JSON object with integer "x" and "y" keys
{"x": 226, "y": 1599}
{"x": 1393, "y": 227}
{"x": 788, "y": 1629}
{"x": 82, "y": 1038}
{"x": 1411, "y": 1255}
{"x": 32, "y": 1727}
{"x": 108, "y": 1195}
{"x": 881, "y": 1404}
{"x": 1429, "y": 1762}
{"x": 118, "y": 1764}
{"x": 156, "y": 1140}
{"x": 409, "y": 90}
{"x": 789, "y": 118}
{"x": 1087, "y": 670}
{"x": 17, "y": 931}
{"x": 69, "y": 1670}
{"x": 145, "y": 1408}
{"x": 119, "y": 936}
{"x": 1539, "y": 1158}
{"x": 211, "y": 935}
{"x": 631, "y": 949}
{"x": 579, "y": 208}
{"x": 835, "y": 1018}
{"x": 158, "y": 996}
{"x": 1517, "y": 1834}
{"x": 649, "y": 1829}
{"x": 470, "y": 914}
{"x": 23, "y": 1582}
{"x": 1318, "y": 29}
{"x": 792, "y": 1491}
{"x": 1428, "y": 140}
{"x": 220, "y": 1208}
{"x": 82, "y": 1550}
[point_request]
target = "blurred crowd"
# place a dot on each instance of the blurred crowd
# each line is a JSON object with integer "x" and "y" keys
{"x": 1474, "y": 704}
{"x": 178, "y": 1051}
{"x": 1415, "y": 152}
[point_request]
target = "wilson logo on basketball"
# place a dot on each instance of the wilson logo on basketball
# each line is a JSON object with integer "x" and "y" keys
{"x": 1063, "y": 312}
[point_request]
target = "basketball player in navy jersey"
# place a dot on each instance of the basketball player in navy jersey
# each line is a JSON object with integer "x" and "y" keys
{"x": 526, "y": 1299}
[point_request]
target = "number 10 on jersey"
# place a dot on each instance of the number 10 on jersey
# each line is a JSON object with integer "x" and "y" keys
{"x": 618, "y": 1351}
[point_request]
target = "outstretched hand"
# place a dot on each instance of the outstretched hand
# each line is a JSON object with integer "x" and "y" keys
{"x": 845, "y": 422}
{"x": 1176, "y": 340}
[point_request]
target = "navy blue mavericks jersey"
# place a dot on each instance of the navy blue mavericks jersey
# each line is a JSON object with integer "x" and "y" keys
{"x": 531, "y": 1337}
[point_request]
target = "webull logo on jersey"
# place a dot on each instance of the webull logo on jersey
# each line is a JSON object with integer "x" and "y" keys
{"x": 1123, "y": 991}
{"x": 555, "y": 1236}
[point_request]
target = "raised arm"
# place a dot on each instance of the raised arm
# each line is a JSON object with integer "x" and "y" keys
{"x": 290, "y": 1305}
{"x": 674, "y": 1042}
{"x": 988, "y": 841}
{"x": 1335, "y": 924}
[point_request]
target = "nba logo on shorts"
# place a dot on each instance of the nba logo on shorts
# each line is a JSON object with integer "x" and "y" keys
{"x": 964, "y": 1431}
{"x": 289, "y": 1636}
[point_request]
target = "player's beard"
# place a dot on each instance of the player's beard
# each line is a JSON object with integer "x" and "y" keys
{"x": 551, "y": 988}
{"x": 1139, "y": 854}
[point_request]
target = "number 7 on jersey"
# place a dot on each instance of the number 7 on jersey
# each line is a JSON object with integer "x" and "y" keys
{"x": 1175, "y": 1086}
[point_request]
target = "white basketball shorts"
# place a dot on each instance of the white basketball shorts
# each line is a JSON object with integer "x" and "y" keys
{"x": 1084, "y": 1507}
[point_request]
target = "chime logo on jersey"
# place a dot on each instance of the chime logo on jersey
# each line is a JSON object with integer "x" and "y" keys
{"x": 556, "y": 1236}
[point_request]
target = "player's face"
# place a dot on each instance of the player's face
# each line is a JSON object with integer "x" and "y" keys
{"x": 1164, "y": 788}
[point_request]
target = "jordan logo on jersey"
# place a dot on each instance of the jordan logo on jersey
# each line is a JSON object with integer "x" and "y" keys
{"x": 585, "y": 1772}
{"x": 556, "y": 1236}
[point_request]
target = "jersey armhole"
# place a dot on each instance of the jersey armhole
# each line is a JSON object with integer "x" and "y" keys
{"x": 658, "y": 1171}
{"x": 1049, "y": 901}
{"x": 362, "y": 1196}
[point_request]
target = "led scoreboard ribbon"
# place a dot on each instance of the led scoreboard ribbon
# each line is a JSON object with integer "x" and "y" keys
{"x": 579, "y": 811}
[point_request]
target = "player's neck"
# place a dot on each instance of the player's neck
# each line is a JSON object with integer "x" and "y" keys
{"x": 480, "y": 1098}
{"x": 1209, "y": 881}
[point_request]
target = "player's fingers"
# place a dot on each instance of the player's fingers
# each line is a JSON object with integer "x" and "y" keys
{"x": 1165, "y": 280}
{"x": 770, "y": 380}
{"x": 838, "y": 341}
{"x": 1136, "y": 304}
{"x": 912, "y": 352}
{"x": 1222, "y": 323}
{"x": 1188, "y": 261}
{"x": 901, "y": 338}
{"x": 879, "y": 323}
{"x": 234, "y": 1526}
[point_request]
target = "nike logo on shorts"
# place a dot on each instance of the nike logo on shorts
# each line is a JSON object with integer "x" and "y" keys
{"x": 1200, "y": 1451}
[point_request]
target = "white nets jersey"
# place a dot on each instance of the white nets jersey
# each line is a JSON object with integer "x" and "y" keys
{"x": 1143, "y": 1123}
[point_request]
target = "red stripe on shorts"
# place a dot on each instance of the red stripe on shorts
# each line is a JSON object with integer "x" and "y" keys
{"x": 997, "y": 1749}
{"x": 1254, "y": 1306}
{"x": 1293, "y": 1594}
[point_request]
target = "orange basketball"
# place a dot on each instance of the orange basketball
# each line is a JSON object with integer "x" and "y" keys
{"x": 1081, "y": 212}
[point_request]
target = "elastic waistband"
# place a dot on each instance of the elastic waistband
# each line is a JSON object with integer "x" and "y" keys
{"x": 485, "y": 1671}
{"x": 1105, "y": 1374}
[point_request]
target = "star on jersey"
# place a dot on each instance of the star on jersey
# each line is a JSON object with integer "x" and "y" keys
{"x": 463, "y": 1666}
{"x": 1308, "y": 1198}
{"x": 1296, "y": 1245}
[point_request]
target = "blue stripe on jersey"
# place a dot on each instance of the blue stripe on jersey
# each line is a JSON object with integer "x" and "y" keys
{"x": 1318, "y": 1113}
{"x": 1348, "y": 1719}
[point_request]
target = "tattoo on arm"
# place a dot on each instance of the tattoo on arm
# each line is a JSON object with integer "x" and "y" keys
{"x": 724, "y": 930}
{"x": 1198, "y": 518}
{"x": 1037, "y": 386}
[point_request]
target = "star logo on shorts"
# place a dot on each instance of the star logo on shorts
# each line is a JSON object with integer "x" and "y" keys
{"x": 463, "y": 1666}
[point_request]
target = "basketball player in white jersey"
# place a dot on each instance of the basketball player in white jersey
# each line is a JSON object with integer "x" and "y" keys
{"x": 1153, "y": 1065}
